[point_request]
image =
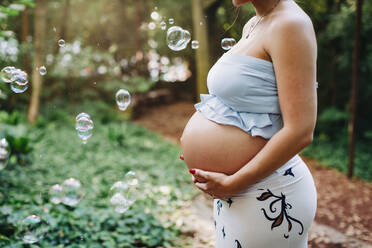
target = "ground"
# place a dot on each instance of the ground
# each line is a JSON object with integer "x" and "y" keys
{"x": 343, "y": 218}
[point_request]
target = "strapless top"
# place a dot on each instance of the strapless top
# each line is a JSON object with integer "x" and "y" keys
{"x": 243, "y": 93}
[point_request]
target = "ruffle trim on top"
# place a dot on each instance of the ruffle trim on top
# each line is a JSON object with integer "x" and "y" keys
{"x": 256, "y": 124}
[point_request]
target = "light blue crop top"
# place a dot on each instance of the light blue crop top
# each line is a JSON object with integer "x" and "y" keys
{"x": 243, "y": 93}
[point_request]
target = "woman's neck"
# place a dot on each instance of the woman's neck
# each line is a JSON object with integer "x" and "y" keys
{"x": 263, "y": 6}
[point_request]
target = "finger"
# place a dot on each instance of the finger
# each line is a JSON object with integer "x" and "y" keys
{"x": 200, "y": 179}
{"x": 197, "y": 176}
{"x": 201, "y": 174}
{"x": 201, "y": 186}
{"x": 193, "y": 178}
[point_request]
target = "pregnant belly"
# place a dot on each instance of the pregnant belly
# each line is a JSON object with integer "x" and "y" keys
{"x": 210, "y": 146}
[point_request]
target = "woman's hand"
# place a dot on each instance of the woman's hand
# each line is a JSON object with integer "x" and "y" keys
{"x": 218, "y": 185}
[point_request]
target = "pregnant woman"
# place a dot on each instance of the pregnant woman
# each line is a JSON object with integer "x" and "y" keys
{"x": 242, "y": 143}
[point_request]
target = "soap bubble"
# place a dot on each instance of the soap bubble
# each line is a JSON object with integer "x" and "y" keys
{"x": 132, "y": 181}
{"x": 177, "y": 38}
{"x": 19, "y": 83}
{"x": 6, "y": 74}
{"x": 84, "y": 126}
{"x": 84, "y": 123}
{"x": 56, "y": 194}
{"x": 119, "y": 186}
{"x": 131, "y": 178}
{"x": 19, "y": 76}
{"x": 72, "y": 192}
{"x": 61, "y": 43}
{"x": 186, "y": 36}
{"x": 195, "y": 44}
{"x": 18, "y": 88}
{"x": 123, "y": 194}
{"x": 4, "y": 153}
{"x": 119, "y": 202}
{"x": 171, "y": 21}
{"x": 123, "y": 99}
{"x": 42, "y": 70}
{"x": 155, "y": 15}
{"x": 82, "y": 115}
{"x": 84, "y": 135}
{"x": 163, "y": 25}
{"x": 131, "y": 195}
{"x": 232, "y": 42}
{"x": 227, "y": 43}
{"x": 32, "y": 229}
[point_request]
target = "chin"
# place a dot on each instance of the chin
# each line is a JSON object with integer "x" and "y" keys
{"x": 238, "y": 3}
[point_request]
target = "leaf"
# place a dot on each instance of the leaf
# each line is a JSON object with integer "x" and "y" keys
{"x": 278, "y": 221}
{"x": 264, "y": 196}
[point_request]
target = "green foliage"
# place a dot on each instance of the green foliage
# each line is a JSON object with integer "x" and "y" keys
{"x": 334, "y": 153}
{"x": 132, "y": 84}
{"x": 87, "y": 74}
{"x": 12, "y": 9}
{"x": 113, "y": 150}
{"x": 11, "y": 119}
{"x": 330, "y": 121}
{"x": 15, "y": 8}
{"x": 59, "y": 114}
{"x": 74, "y": 61}
{"x": 17, "y": 136}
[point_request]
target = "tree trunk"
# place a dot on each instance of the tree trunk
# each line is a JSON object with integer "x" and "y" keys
{"x": 25, "y": 33}
{"x": 354, "y": 87}
{"x": 202, "y": 53}
{"x": 39, "y": 44}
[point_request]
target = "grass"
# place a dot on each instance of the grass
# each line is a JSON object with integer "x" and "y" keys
{"x": 114, "y": 149}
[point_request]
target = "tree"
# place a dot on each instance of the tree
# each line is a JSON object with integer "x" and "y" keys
{"x": 25, "y": 33}
{"x": 354, "y": 86}
{"x": 39, "y": 44}
{"x": 202, "y": 54}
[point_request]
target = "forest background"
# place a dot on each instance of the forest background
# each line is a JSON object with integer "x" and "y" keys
{"x": 113, "y": 44}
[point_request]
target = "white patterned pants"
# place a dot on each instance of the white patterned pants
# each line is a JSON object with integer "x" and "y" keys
{"x": 273, "y": 213}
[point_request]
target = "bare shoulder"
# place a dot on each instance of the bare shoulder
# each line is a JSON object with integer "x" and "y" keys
{"x": 296, "y": 22}
{"x": 247, "y": 25}
{"x": 294, "y": 32}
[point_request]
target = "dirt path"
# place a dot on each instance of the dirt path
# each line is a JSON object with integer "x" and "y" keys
{"x": 344, "y": 213}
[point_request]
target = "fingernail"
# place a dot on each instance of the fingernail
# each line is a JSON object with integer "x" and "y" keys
{"x": 181, "y": 157}
{"x": 192, "y": 171}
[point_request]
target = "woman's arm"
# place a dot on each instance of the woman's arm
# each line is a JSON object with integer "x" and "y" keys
{"x": 293, "y": 51}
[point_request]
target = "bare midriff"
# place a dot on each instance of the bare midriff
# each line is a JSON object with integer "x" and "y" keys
{"x": 210, "y": 146}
